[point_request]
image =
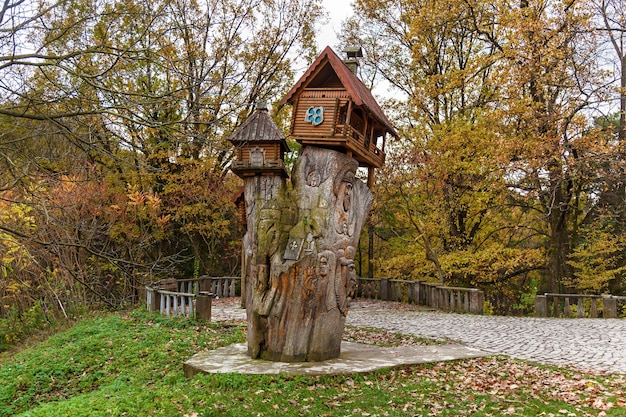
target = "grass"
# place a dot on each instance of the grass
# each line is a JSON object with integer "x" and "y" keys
{"x": 131, "y": 365}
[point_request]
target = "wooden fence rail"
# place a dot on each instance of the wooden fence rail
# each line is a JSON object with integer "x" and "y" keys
{"x": 452, "y": 299}
{"x": 222, "y": 287}
{"x": 580, "y": 305}
{"x": 190, "y": 297}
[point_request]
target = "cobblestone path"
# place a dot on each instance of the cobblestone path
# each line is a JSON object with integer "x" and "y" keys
{"x": 597, "y": 345}
{"x": 587, "y": 344}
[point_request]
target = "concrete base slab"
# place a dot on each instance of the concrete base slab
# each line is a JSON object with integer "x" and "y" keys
{"x": 354, "y": 358}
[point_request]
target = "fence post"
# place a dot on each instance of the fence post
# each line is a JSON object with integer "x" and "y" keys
{"x": 232, "y": 292}
{"x": 422, "y": 293}
{"x": 580, "y": 310}
{"x": 541, "y": 306}
{"x": 383, "y": 289}
{"x": 151, "y": 299}
{"x": 594, "y": 308}
{"x": 441, "y": 299}
{"x": 477, "y": 301}
{"x": 204, "y": 283}
{"x": 609, "y": 307}
{"x": 434, "y": 296}
{"x": 415, "y": 292}
{"x": 567, "y": 312}
{"x": 203, "y": 306}
{"x": 555, "y": 307}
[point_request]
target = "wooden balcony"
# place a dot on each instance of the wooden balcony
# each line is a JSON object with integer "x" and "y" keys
{"x": 346, "y": 138}
{"x": 269, "y": 166}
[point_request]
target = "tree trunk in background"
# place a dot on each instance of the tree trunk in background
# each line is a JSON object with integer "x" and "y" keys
{"x": 370, "y": 251}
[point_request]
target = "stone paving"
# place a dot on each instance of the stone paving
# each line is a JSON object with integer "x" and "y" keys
{"x": 596, "y": 345}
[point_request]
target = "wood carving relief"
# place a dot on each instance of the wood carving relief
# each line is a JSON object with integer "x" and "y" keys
{"x": 299, "y": 256}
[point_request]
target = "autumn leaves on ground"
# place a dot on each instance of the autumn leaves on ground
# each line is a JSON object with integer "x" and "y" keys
{"x": 130, "y": 364}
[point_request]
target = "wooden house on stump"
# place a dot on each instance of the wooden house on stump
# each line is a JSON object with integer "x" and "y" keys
{"x": 333, "y": 109}
{"x": 260, "y": 146}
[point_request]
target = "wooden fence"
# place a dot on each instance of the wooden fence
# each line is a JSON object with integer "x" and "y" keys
{"x": 190, "y": 297}
{"x": 451, "y": 299}
{"x": 580, "y": 305}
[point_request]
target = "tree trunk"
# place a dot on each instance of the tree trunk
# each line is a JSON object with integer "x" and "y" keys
{"x": 622, "y": 113}
{"x": 299, "y": 251}
{"x": 560, "y": 243}
{"x": 370, "y": 250}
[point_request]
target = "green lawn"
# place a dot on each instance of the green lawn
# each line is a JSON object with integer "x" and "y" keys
{"x": 131, "y": 365}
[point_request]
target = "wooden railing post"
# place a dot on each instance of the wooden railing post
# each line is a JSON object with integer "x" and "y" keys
{"x": 609, "y": 307}
{"x": 152, "y": 303}
{"x": 477, "y": 301}
{"x": 555, "y": 307}
{"x": 233, "y": 288}
{"x": 203, "y": 306}
{"x": 541, "y": 306}
{"x": 205, "y": 283}
{"x": 580, "y": 308}
{"x": 434, "y": 297}
{"x": 594, "y": 308}
{"x": 415, "y": 292}
{"x": 567, "y": 312}
{"x": 443, "y": 298}
{"x": 383, "y": 290}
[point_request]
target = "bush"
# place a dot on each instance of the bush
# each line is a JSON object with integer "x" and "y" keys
{"x": 15, "y": 327}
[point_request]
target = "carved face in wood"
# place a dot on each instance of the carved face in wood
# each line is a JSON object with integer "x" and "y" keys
{"x": 323, "y": 266}
{"x": 344, "y": 218}
{"x": 313, "y": 179}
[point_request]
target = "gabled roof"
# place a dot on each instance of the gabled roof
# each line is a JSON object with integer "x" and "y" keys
{"x": 360, "y": 94}
{"x": 258, "y": 128}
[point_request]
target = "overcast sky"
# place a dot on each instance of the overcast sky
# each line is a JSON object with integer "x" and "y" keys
{"x": 338, "y": 11}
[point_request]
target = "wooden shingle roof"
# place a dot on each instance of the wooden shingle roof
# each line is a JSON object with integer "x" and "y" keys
{"x": 360, "y": 94}
{"x": 258, "y": 128}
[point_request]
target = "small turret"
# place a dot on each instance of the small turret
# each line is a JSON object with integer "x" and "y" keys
{"x": 260, "y": 146}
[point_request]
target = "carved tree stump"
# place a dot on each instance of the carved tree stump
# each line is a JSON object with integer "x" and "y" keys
{"x": 299, "y": 256}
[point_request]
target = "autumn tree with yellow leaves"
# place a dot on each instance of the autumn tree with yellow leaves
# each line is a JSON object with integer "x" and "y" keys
{"x": 497, "y": 173}
{"x": 114, "y": 120}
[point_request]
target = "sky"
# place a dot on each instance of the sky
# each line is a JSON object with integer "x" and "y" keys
{"x": 338, "y": 11}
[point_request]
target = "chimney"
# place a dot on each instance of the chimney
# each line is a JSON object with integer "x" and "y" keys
{"x": 353, "y": 53}
{"x": 261, "y": 105}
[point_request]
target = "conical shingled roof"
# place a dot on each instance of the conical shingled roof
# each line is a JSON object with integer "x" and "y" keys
{"x": 258, "y": 128}
{"x": 360, "y": 94}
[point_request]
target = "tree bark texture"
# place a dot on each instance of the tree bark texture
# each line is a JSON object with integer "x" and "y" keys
{"x": 299, "y": 256}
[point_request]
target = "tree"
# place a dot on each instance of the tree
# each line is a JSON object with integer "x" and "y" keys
{"x": 452, "y": 166}
{"x": 556, "y": 78}
{"x": 613, "y": 17}
{"x": 117, "y": 114}
{"x": 491, "y": 98}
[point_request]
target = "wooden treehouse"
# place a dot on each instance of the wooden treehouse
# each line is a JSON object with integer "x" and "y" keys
{"x": 260, "y": 146}
{"x": 333, "y": 109}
